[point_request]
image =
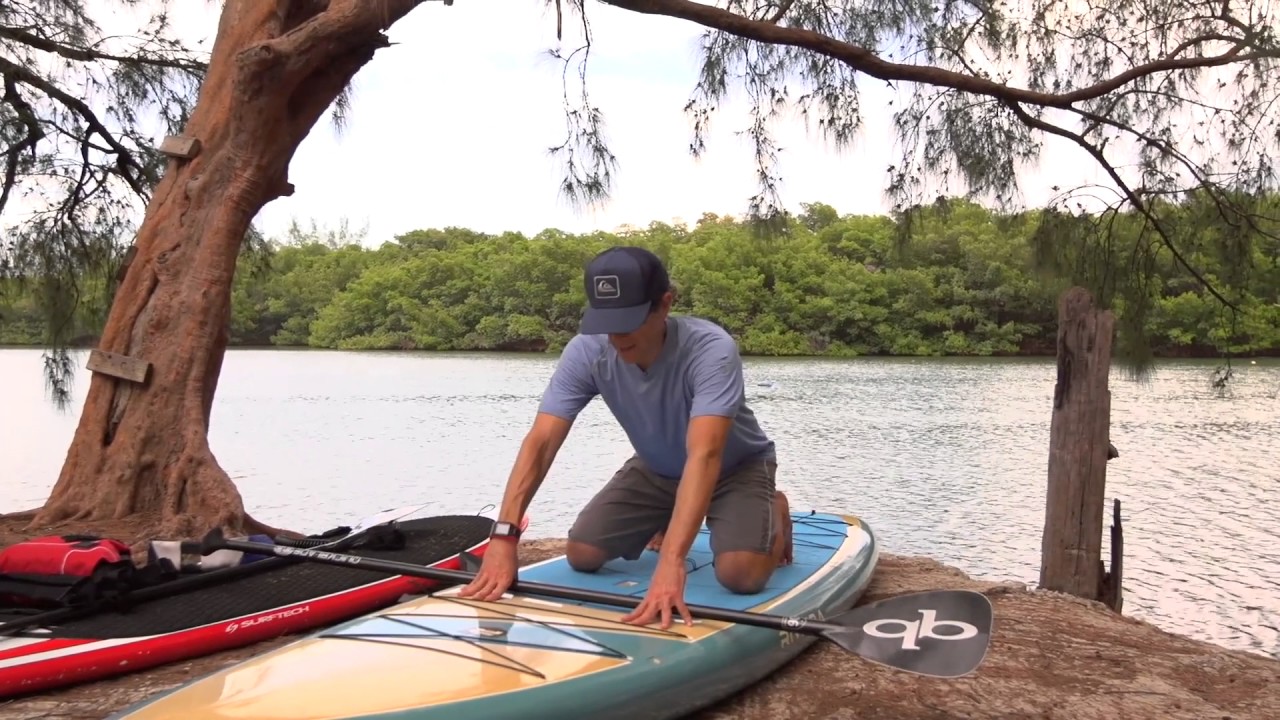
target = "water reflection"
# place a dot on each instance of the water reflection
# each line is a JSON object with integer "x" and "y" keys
{"x": 943, "y": 457}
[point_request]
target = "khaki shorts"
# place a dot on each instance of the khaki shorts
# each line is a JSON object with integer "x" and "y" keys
{"x": 636, "y": 503}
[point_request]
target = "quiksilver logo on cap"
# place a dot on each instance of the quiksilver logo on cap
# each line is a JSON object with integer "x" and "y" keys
{"x": 606, "y": 287}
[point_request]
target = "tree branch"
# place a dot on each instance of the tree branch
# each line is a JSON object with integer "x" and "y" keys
{"x": 868, "y": 62}
{"x": 1165, "y": 146}
{"x": 1128, "y": 192}
{"x": 86, "y": 55}
{"x": 334, "y": 28}
{"x": 783, "y": 7}
{"x": 130, "y": 169}
{"x": 35, "y": 133}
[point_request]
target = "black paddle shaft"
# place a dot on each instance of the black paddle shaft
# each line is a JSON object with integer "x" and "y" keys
{"x": 215, "y": 541}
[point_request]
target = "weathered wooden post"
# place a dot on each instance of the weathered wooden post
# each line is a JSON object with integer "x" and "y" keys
{"x": 1079, "y": 447}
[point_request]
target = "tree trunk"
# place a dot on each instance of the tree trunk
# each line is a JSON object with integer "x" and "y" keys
{"x": 141, "y": 449}
{"x": 1079, "y": 445}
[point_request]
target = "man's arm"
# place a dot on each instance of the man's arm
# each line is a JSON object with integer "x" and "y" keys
{"x": 705, "y": 447}
{"x": 570, "y": 389}
{"x": 718, "y": 393}
{"x": 538, "y": 450}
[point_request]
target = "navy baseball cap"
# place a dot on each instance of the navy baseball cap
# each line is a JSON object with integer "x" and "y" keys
{"x": 622, "y": 283}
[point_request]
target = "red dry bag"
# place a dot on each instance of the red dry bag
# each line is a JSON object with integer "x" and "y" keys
{"x": 60, "y": 570}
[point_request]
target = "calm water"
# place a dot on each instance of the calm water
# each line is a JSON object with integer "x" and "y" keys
{"x": 943, "y": 457}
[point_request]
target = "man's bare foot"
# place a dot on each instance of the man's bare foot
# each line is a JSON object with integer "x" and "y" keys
{"x": 783, "y": 507}
{"x": 655, "y": 544}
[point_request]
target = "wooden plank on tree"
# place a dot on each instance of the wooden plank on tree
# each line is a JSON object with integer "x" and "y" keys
{"x": 180, "y": 146}
{"x": 118, "y": 366}
{"x": 1079, "y": 442}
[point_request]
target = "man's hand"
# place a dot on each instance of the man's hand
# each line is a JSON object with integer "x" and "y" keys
{"x": 497, "y": 571}
{"x": 666, "y": 591}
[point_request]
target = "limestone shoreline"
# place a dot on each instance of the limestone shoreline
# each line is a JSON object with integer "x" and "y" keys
{"x": 1052, "y": 656}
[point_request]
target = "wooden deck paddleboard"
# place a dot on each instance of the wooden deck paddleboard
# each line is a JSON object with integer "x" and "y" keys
{"x": 526, "y": 657}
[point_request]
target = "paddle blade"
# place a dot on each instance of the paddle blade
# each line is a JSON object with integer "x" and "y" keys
{"x": 943, "y": 633}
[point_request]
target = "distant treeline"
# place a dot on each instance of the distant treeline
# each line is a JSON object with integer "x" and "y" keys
{"x": 964, "y": 281}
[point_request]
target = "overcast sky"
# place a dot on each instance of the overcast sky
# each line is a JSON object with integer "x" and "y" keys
{"x": 451, "y": 127}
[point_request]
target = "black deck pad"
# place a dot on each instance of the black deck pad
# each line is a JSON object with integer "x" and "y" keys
{"x": 427, "y": 541}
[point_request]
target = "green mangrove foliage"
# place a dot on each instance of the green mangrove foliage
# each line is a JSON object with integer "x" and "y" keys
{"x": 965, "y": 281}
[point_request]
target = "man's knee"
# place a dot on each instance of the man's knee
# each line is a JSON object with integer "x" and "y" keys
{"x": 584, "y": 557}
{"x": 749, "y": 560}
{"x": 744, "y": 572}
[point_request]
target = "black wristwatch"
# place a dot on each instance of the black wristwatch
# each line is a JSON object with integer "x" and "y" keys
{"x": 505, "y": 530}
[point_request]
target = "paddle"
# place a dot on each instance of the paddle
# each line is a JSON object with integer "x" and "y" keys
{"x": 942, "y": 633}
{"x": 190, "y": 582}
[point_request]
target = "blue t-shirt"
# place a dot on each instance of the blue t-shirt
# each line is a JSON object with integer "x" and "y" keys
{"x": 698, "y": 372}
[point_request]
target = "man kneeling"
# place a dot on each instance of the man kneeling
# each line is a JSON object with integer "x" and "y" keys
{"x": 675, "y": 385}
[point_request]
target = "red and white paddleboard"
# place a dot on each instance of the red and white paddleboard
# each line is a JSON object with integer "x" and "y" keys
{"x": 243, "y": 610}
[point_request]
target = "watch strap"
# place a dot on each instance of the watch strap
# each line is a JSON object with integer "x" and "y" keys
{"x": 504, "y": 529}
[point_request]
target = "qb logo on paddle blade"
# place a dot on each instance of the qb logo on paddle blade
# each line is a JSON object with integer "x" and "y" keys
{"x": 942, "y": 633}
{"x": 913, "y": 630}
